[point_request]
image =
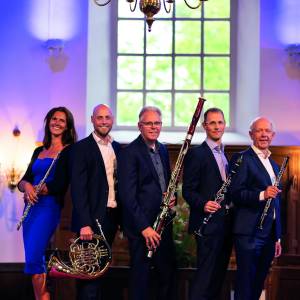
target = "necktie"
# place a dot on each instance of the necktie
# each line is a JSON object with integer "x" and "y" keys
{"x": 221, "y": 162}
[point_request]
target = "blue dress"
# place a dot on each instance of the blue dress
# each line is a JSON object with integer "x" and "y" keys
{"x": 41, "y": 222}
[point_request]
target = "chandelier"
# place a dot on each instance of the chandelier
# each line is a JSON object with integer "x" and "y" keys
{"x": 151, "y": 7}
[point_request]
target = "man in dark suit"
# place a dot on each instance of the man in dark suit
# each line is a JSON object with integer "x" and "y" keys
{"x": 253, "y": 185}
{"x": 94, "y": 161}
{"x": 203, "y": 175}
{"x": 144, "y": 172}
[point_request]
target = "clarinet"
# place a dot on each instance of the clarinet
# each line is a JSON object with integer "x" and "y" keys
{"x": 37, "y": 190}
{"x": 220, "y": 195}
{"x": 166, "y": 214}
{"x": 276, "y": 183}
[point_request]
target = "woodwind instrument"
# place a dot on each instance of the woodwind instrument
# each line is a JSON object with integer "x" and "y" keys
{"x": 37, "y": 190}
{"x": 166, "y": 214}
{"x": 276, "y": 183}
{"x": 220, "y": 194}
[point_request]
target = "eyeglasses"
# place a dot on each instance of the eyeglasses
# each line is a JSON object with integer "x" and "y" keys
{"x": 151, "y": 124}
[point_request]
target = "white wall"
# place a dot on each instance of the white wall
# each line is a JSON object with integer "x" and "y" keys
{"x": 30, "y": 86}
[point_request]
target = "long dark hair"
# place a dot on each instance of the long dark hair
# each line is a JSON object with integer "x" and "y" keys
{"x": 69, "y": 135}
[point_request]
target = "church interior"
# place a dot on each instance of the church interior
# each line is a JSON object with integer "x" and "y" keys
{"x": 240, "y": 55}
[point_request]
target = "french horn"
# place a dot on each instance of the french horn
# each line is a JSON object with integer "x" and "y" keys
{"x": 88, "y": 259}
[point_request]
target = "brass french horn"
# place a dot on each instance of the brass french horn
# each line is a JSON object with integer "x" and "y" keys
{"x": 88, "y": 259}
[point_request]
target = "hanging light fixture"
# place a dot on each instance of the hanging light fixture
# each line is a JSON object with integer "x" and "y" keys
{"x": 151, "y": 7}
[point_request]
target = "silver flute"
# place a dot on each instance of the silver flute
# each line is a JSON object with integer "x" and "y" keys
{"x": 37, "y": 190}
{"x": 220, "y": 194}
{"x": 276, "y": 183}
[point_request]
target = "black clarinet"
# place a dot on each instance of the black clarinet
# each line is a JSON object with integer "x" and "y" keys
{"x": 220, "y": 194}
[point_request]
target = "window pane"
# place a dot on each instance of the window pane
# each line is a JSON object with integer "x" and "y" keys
{"x": 128, "y": 108}
{"x": 217, "y": 9}
{"x": 133, "y": 42}
{"x": 219, "y": 29}
{"x": 159, "y": 73}
{"x": 185, "y": 105}
{"x": 216, "y": 73}
{"x": 220, "y": 100}
{"x": 164, "y": 102}
{"x": 182, "y": 11}
{"x": 187, "y": 73}
{"x": 187, "y": 37}
{"x": 159, "y": 41}
{"x": 130, "y": 72}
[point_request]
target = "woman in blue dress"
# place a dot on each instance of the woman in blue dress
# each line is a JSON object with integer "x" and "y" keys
{"x": 44, "y": 214}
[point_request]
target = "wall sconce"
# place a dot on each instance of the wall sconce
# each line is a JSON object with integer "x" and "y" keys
{"x": 13, "y": 174}
{"x": 293, "y": 51}
{"x": 55, "y": 46}
{"x": 57, "y": 59}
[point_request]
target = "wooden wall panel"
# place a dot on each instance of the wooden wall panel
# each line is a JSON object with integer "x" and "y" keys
{"x": 285, "y": 276}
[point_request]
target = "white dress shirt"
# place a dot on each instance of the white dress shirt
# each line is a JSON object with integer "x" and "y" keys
{"x": 264, "y": 158}
{"x": 110, "y": 163}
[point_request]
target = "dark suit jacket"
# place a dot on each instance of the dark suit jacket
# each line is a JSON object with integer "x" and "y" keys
{"x": 89, "y": 187}
{"x": 201, "y": 181}
{"x": 252, "y": 178}
{"x": 139, "y": 187}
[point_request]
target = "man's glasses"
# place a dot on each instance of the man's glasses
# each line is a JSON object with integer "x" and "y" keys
{"x": 151, "y": 124}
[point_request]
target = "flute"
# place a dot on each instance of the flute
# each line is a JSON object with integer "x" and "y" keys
{"x": 37, "y": 190}
{"x": 276, "y": 183}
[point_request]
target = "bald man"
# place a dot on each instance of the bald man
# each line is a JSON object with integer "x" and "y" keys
{"x": 94, "y": 161}
{"x": 250, "y": 189}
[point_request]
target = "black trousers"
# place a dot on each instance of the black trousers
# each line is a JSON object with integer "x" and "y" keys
{"x": 213, "y": 254}
{"x": 164, "y": 265}
{"x": 92, "y": 289}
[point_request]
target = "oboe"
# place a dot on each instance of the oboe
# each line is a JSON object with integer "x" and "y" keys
{"x": 220, "y": 195}
{"x": 37, "y": 190}
{"x": 276, "y": 183}
{"x": 166, "y": 214}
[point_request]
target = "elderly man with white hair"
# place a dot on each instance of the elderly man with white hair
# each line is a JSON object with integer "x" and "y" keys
{"x": 255, "y": 246}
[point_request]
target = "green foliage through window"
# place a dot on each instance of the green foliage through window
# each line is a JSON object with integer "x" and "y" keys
{"x": 187, "y": 54}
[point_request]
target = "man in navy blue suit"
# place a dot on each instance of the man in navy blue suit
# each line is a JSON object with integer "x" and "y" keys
{"x": 144, "y": 173}
{"x": 204, "y": 172}
{"x": 253, "y": 185}
{"x": 94, "y": 161}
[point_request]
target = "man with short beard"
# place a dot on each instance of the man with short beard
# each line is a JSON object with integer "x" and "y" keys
{"x": 94, "y": 161}
{"x": 251, "y": 188}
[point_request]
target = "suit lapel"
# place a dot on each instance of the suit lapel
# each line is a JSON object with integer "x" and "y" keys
{"x": 260, "y": 165}
{"x": 211, "y": 157}
{"x": 275, "y": 167}
{"x": 146, "y": 155}
{"x": 97, "y": 153}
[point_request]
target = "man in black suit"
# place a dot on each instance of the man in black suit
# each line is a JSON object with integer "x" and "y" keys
{"x": 203, "y": 174}
{"x": 255, "y": 247}
{"x": 94, "y": 161}
{"x": 144, "y": 172}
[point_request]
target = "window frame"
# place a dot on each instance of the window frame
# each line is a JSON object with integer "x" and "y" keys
{"x": 232, "y": 69}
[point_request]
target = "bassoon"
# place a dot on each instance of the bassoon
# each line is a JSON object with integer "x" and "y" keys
{"x": 166, "y": 214}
